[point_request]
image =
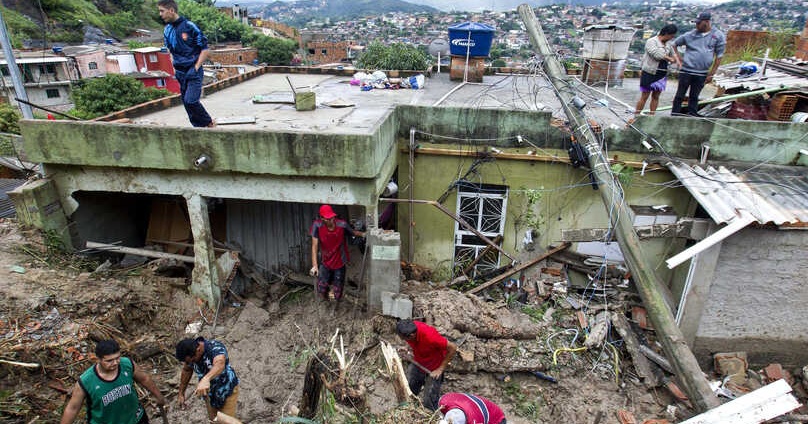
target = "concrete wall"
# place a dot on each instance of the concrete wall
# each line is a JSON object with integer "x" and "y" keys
{"x": 728, "y": 139}
{"x": 757, "y": 299}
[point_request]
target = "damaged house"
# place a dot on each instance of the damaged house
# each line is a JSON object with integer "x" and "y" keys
{"x": 485, "y": 181}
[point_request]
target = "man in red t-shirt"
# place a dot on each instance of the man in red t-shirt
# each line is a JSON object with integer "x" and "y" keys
{"x": 431, "y": 354}
{"x": 465, "y": 408}
{"x": 328, "y": 237}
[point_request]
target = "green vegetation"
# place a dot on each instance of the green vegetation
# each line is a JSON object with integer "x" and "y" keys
{"x": 65, "y": 20}
{"x": 780, "y": 45}
{"x": 20, "y": 28}
{"x": 9, "y": 118}
{"x": 100, "y": 96}
{"x": 397, "y": 56}
{"x": 498, "y": 63}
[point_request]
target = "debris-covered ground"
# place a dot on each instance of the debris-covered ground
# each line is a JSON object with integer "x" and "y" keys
{"x": 522, "y": 351}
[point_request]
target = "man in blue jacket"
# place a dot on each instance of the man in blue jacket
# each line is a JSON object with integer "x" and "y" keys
{"x": 704, "y": 47}
{"x": 189, "y": 49}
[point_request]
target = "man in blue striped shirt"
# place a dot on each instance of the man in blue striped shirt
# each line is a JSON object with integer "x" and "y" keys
{"x": 189, "y": 49}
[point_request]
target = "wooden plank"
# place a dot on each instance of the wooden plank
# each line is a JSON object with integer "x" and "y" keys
{"x": 512, "y": 271}
{"x": 140, "y": 252}
{"x": 756, "y": 407}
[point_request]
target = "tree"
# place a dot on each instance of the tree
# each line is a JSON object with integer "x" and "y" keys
{"x": 499, "y": 63}
{"x": 100, "y": 96}
{"x": 272, "y": 51}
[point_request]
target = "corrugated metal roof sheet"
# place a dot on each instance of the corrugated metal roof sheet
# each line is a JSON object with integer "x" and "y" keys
{"x": 6, "y": 207}
{"x": 777, "y": 197}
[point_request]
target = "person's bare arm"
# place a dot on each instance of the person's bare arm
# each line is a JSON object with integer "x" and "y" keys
{"x": 716, "y": 64}
{"x": 203, "y": 387}
{"x": 451, "y": 349}
{"x": 74, "y": 405}
{"x": 185, "y": 377}
{"x": 315, "y": 243}
{"x": 144, "y": 380}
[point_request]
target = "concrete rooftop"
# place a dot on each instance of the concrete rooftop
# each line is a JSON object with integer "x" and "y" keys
{"x": 509, "y": 92}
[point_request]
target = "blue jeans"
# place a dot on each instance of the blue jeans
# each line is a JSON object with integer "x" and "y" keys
{"x": 191, "y": 90}
{"x": 688, "y": 81}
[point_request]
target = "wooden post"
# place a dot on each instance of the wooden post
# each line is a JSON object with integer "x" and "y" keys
{"x": 648, "y": 285}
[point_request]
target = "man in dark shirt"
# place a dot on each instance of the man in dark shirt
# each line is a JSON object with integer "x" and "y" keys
{"x": 189, "y": 50}
{"x": 218, "y": 383}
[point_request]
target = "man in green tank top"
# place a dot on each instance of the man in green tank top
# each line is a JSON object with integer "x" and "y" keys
{"x": 107, "y": 389}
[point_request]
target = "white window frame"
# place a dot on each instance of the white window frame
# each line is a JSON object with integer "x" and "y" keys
{"x": 479, "y": 192}
{"x": 152, "y": 58}
{"x": 161, "y": 82}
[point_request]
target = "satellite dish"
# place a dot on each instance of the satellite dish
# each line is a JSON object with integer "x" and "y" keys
{"x": 438, "y": 47}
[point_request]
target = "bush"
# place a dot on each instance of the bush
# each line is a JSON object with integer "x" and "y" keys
{"x": 100, "y": 96}
{"x": 397, "y": 56}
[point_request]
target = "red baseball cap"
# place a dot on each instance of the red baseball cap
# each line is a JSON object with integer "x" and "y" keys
{"x": 326, "y": 212}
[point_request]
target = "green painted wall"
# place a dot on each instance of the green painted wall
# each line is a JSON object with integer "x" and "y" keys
{"x": 568, "y": 202}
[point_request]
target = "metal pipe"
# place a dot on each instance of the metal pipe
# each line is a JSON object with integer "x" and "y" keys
{"x": 459, "y": 220}
{"x": 16, "y": 77}
{"x": 411, "y": 223}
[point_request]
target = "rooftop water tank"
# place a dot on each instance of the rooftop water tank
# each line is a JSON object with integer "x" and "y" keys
{"x": 470, "y": 38}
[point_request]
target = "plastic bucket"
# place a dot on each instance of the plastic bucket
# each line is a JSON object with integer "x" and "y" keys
{"x": 472, "y": 38}
{"x": 799, "y": 117}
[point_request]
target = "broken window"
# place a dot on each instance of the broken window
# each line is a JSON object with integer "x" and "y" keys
{"x": 482, "y": 206}
{"x": 161, "y": 82}
{"x": 92, "y": 65}
{"x": 52, "y": 93}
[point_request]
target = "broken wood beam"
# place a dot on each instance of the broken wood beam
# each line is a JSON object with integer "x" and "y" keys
{"x": 649, "y": 286}
{"x": 468, "y": 268}
{"x": 140, "y": 252}
{"x": 458, "y": 219}
{"x": 20, "y": 364}
{"x": 512, "y": 271}
{"x": 657, "y": 358}
{"x": 641, "y": 364}
{"x": 397, "y": 374}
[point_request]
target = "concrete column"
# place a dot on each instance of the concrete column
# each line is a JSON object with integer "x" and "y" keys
{"x": 384, "y": 269}
{"x": 205, "y": 275}
{"x": 700, "y": 276}
{"x": 38, "y": 205}
{"x": 372, "y": 216}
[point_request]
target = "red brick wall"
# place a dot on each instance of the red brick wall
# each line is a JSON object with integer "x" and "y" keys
{"x": 234, "y": 56}
{"x": 327, "y": 51}
{"x": 601, "y": 70}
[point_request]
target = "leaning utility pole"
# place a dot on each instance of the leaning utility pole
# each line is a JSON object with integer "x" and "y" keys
{"x": 650, "y": 288}
{"x": 16, "y": 78}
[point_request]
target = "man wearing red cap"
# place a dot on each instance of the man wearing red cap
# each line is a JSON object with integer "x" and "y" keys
{"x": 328, "y": 236}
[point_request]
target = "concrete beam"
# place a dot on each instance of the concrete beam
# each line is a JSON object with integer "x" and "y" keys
{"x": 385, "y": 265}
{"x": 233, "y": 186}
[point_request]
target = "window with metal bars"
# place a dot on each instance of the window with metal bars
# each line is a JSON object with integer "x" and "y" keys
{"x": 483, "y": 207}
